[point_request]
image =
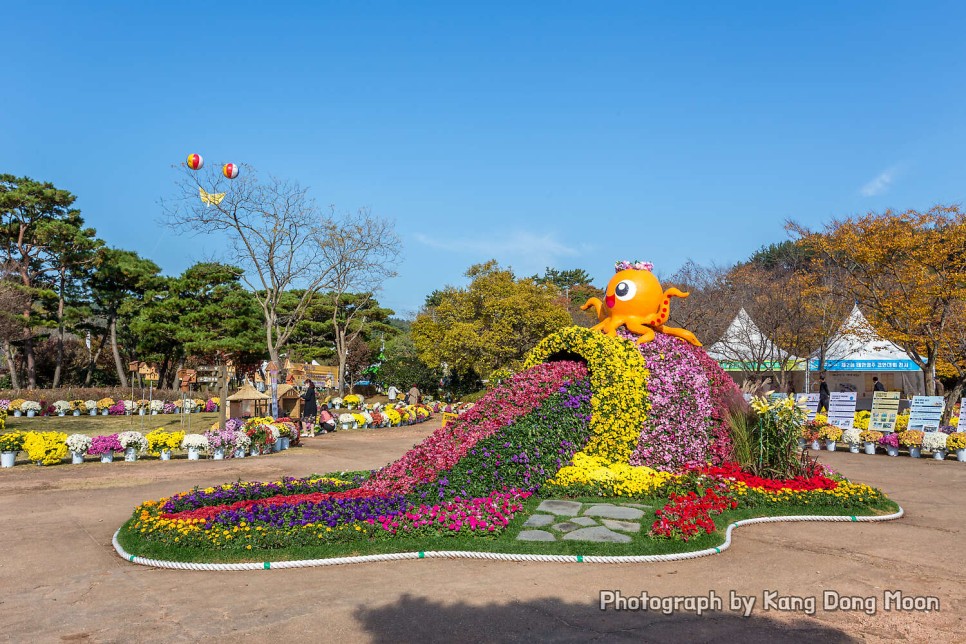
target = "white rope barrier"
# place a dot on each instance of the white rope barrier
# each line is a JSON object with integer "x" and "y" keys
{"x": 493, "y": 556}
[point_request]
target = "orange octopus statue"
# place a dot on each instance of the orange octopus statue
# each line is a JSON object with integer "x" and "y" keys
{"x": 634, "y": 299}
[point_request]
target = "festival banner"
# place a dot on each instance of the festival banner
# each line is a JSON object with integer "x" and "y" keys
{"x": 926, "y": 413}
{"x": 962, "y": 415}
{"x": 841, "y": 409}
{"x": 885, "y": 408}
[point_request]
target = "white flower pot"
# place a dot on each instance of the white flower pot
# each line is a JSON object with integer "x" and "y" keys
{"x": 892, "y": 451}
{"x": 76, "y": 458}
{"x": 166, "y": 455}
{"x": 104, "y": 412}
{"x": 915, "y": 452}
{"x": 218, "y": 454}
{"x": 278, "y": 445}
{"x": 854, "y": 449}
{"x": 93, "y": 412}
{"x": 61, "y": 413}
{"x": 816, "y": 445}
{"x": 31, "y": 413}
{"x": 961, "y": 455}
{"x": 939, "y": 455}
{"x": 140, "y": 412}
{"x": 187, "y": 410}
{"x": 130, "y": 454}
{"x": 240, "y": 452}
{"x": 286, "y": 442}
{"x": 830, "y": 445}
{"x": 17, "y": 413}
{"x": 801, "y": 443}
{"x": 7, "y": 459}
{"x": 107, "y": 458}
{"x": 154, "y": 412}
{"x": 194, "y": 453}
{"x": 870, "y": 448}
{"x": 77, "y": 412}
{"x": 254, "y": 451}
{"x": 345, "y": 426}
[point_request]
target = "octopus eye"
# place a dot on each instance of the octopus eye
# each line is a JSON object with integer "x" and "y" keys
{"x": 625, "y": 290}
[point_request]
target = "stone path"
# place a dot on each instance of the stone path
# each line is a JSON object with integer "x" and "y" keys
{"x": 573, "y": 521}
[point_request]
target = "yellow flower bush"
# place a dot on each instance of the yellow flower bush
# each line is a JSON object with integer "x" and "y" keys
{"x": 394, "y": 417}
{"x": 830, "y": 433}
{"x": 160, "y": 439}
{"x": 359, "y": 418}
{"x": 15, "y": 404}
{"x": 104, "y": 403}
{"x": 46, "y": 447}
{"x": 593, "y": 476}
{"x": 862, "y": 420}
{"x": 617, "y": 378}
{"x": 870, "y": 436}
{"x": 902, "y": 421}
{"x": 956, "y": 440}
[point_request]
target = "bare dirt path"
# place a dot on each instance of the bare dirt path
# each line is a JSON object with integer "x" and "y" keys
{"x": 61, "y": 580}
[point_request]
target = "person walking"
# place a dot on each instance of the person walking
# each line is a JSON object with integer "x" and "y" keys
{"x": 876, "y": 385}
{"x": 393, "y": 393}
{"x": 824, "y": 395}
{"x": 412, "y": 397}
{"x": 310, "y": 409}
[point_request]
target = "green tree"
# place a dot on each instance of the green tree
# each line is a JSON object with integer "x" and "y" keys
{"x": 118, "y": 285}
{"x": 43, "y": 241}
{"x": 490, "y": 324}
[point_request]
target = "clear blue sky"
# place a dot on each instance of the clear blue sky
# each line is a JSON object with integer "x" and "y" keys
{"x": 545, "y": 133}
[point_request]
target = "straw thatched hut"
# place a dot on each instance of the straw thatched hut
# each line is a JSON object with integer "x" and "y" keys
{"x": 248, "y": 401}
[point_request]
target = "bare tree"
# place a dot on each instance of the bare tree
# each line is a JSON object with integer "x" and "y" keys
{"x": 712, "y": 300}
{"x": 362, "y": 250}
{"x": 277, "y": 234}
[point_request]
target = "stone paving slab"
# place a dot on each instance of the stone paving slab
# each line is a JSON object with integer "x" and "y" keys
{"x": 598, "y": 534}
{"x": 623, "y": 526}
{"x": 610, "y": 511}
{"x": 535, "y": 535}
{"x": 539, "y": 521}
{"x": 565, "y": 508}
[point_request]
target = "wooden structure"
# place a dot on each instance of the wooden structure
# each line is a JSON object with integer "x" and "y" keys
{"x": 324, "y": 376}
{"x": 289, "y": 401}
{"x": 247, "y": 402}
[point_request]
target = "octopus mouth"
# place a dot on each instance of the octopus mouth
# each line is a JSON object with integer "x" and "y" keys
{"x": 610, "y": 301}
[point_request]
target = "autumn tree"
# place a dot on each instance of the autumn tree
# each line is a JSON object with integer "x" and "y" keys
{"x": 906, "y": 271}
{"x": 492, "y": 323}
{"x": 575, "y": 288}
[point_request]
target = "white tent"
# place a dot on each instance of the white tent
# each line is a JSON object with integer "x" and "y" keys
{"x": 857, "y": 353}
{"x": 743, "y": 347}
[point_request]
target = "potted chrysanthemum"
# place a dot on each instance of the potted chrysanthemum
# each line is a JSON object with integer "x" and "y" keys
{"x": 890, "y": 442}
{"x": 830, "y": 434}
{"x": 104, "y": 446}
{"x": 935, "y": 442}
{"x": 195, "y": 444}
{"x": 77, "y": 445}
{"x": 957, "y": 442}
{"x": 870, "y": 438}
{"x": 852, "y": 437}
{"x": 134, "y": 443}
{"x": 912, "y": 438}
{"x": 10, "y": 444}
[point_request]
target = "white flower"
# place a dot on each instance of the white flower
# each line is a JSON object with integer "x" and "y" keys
{"x": 336, "y": 402}
{"x": 932, "y": 441}
{"x": 78, "y": 442}
{"x": 346, "y": 419}
{"x": 367, "y": 416}
{"x": 242, "y": 440}
{"x": 30, "y": 405}
{"x": 133, "y": 439}
{"x": 195, "y": 441}
{"x": 90, "y": 404}
{"x": 851, "y": 436}
{"x": 273, "y": 432}
{"x": 157, "y": 405}
{"x": 62, "y": 405}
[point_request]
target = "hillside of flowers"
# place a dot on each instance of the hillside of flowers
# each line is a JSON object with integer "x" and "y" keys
{"x": 590, "y": 417}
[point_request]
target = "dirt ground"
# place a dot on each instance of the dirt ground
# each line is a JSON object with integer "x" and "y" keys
{"x": 60, "y": 579}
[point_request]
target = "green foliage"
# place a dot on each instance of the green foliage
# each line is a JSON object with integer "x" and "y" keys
{"x": 314, "y": 336}
{"x": 492, "y": 323}
{"x": 773, "y": 439}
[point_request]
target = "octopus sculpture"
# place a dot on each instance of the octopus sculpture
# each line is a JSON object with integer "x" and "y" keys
{"x": 635, "y": 300}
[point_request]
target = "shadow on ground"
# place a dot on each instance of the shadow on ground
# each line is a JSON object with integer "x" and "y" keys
{"x": 418, "y": 619}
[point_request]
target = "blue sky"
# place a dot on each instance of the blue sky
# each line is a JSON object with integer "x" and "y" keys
{"x": 541, "y": 134}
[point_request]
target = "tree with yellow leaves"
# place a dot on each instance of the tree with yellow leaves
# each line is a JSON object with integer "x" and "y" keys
{"x": 906, "y": 271}
{"x": 491, "y": 324}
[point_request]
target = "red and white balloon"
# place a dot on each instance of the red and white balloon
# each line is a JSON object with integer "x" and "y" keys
{"x": 230, "y": 170}
{"x": 195, "y": 161}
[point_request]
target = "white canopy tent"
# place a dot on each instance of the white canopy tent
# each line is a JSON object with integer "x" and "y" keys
{"x": 745, "y": 349}
{"x": 857, "y": 353}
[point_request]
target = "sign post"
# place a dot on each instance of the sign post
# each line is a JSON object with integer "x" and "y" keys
{"x": 273, "y": 380}
{"x": 962, "y": 415}
{"x": 841, "y": 409}
{"x": 885, "y": 408}
{"x": 926, "y": 413}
